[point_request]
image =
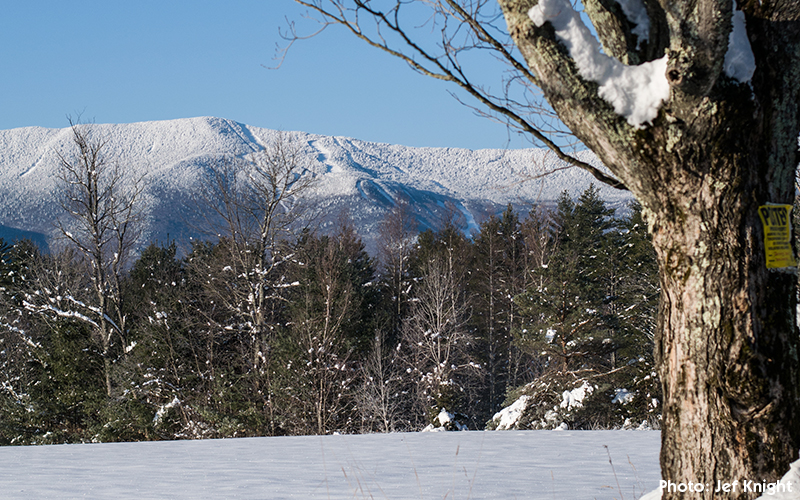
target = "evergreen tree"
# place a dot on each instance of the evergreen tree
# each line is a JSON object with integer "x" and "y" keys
{"x": 448, "y": 243}
{"x": 20, "y": 349}
{"x": 54, "y": 379}
{"x": 565, "y": 307}
{"x": 633, "y": 305}
{"x": 69, "y": 398}
{"x": 489, "y": 308}
{"x": 159, "y": 370}
{"x": 589, "y": 312}
{"x": 498, "y": 275}
{"x": 637, "y": 292}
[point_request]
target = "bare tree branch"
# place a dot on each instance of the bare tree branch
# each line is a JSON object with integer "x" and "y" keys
{"x": 465, "y": 27}
{"x": 104, "y": 221}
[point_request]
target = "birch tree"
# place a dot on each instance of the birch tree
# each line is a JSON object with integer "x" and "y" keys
{"x": 437, "y": 341}
{"x": 692, "y": 106}
{"x": 254, "y": 205}
{"x": 103, "y": 214}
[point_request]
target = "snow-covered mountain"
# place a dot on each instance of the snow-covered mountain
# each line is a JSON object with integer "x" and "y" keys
{"x": 367, "y": 178}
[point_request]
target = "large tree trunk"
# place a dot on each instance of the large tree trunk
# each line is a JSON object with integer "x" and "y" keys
{"x": 728, "y": 343}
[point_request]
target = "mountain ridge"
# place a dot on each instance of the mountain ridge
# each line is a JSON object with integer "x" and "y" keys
{"x": 365, "y": 177}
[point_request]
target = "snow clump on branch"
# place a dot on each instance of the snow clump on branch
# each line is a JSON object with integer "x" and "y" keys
{"x": 636, "y": 13}
{"x": 635, "y": 92}
{"x": 740, "y": 63}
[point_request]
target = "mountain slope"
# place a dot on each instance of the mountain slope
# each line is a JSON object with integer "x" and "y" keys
{"x": 366, "y": 178}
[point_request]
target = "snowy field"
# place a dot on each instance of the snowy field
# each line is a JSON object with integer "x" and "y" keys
{"x": 457, "y": 465}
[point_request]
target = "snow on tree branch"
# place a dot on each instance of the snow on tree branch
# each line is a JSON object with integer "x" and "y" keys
{"x": 635, "y": 92}
{"x": 740, "y": 63}
{"x": 58, "y": 312}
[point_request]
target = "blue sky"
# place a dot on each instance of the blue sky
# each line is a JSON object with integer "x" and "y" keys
{"x": 120, "y": 62}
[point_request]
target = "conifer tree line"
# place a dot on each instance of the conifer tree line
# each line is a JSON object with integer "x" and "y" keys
{"x": 270, "y": 327}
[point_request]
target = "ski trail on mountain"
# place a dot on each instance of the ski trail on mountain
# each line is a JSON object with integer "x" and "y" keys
{"x": 356, "y": 147}
{"x": 32, "y": 167}
{"x": 48, "y": 147}
{"x": 472, "y": 225}
{"x": 373, "y": 191}
{"x": 247, "y": 136}
{"x": 324, "y": 156}
{"x": 366, "y": 179}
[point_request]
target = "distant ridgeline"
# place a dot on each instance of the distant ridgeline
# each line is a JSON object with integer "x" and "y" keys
{"x": 10, "y": 234}
{"x": 362, "y": 178}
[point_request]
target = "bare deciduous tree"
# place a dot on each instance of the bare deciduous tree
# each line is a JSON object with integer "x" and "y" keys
{"x": 103, "y": 207}
{"x": 327, "y": 325}
{"x": 379, "y": 396}
{"x": 395, "y": 244}
{"x": 256, "y": 205}
{"x": 437, "y": 341}
{"x": 258, "y": 202}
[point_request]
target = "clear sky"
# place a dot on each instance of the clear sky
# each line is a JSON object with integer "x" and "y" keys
{"x": 119, "y": 61}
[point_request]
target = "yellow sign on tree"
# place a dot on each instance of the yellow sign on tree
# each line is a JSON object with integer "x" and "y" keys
{"x": 777, "y": 235}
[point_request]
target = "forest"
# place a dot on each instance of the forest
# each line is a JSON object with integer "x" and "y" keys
{"x": 271, "y": 327}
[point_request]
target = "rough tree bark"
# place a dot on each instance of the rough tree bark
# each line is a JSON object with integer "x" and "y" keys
{"x": 719, "y": 146}
{"x": 727, "y": 345}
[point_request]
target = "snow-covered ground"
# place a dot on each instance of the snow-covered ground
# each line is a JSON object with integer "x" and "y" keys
{"x": 454, "y": 465}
